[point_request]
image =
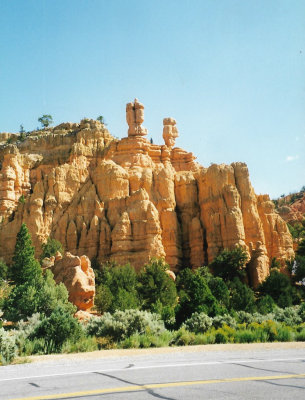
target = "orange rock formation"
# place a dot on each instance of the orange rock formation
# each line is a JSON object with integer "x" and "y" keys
{"x": 78, "y": 277}
{"x": 129, "y": 200}
{"x": 294, "y": 212}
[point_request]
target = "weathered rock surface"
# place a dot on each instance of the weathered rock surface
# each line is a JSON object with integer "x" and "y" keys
{"x": 78, "y": 277}
{"x": 294, "y": 212}
{"x": 129, "y": 200}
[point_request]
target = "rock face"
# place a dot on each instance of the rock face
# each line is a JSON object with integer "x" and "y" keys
{"x": 129, "y": 200}
{"x": 78, "y": 277}
{"x": 294, "y": 212}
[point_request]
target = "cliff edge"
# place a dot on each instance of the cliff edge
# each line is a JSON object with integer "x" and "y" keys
{"x": 130, "y": 200}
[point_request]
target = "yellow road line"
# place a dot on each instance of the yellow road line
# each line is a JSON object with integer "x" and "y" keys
{"x": 157, "y": 386}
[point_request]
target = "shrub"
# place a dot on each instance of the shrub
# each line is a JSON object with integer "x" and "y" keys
{"x": 81, "y": 345}
{"x": 301, "y": 312}
{"x": 56, "y": 329}
{"x": 265, "y": 304}
{"x": 21, "y": 199}
{"x": 225, "y": 334}
{"x": 50, "y": 248}
{"x": 230, "y": 264}
{"x": 8, "y": 347}
{"x": 246, "y": 336}
{"x": 118, "y": 290}
{"x": 183, "y": 337}
{"x": 285, "y": 334}
{"x": 279, "y": 287}
{"x": 103, "y": 298}
{"x": 206, "y": 338}
{"x": 22, "y": 302}
{"x": 220, "y": 291}
{"x": 289, "y": 315}
{"x": 52, "y": 296}
{"x": 225, "y": 319}
{"x": 198, "y": 323}
{"x": 194, "y": 296}
{"x": 244, "y": 317}
{"x": 147, "y": 340}
{"x": 301, "y": 247}
{"x": 3, "y": 271}
{"x": 5, "y": 290}
{"x": 122, "y": 324}
{"x": 300, "y": 336}
{"x": 242, "y": 297}
{"x": 30, "y": 298}
{"x": 270, "y": 328}
{"x": 155, "y": 286}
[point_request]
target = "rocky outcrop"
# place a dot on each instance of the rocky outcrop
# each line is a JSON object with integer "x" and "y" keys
{"x": 130, "y": 200}
{"x": 293, "y": 212}
{"x": 78, "y": 277}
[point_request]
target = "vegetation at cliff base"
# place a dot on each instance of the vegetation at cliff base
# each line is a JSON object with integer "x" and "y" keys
{"x": 147, "y": 308}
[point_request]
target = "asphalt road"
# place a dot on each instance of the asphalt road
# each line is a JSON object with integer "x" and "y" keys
{"x": 254, "y": 373}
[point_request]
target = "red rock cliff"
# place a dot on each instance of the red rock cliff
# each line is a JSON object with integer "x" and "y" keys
{"x": 129, "y": 200}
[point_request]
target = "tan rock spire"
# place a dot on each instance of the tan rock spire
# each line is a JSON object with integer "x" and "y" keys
{"x": 135, "y": 118}
{"x": 170, "y": 132}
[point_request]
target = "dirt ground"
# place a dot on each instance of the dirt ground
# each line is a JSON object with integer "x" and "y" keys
{"x": 162, "y": 350}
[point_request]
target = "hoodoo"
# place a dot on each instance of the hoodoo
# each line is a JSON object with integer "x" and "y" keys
{"x": 130, "y": 200}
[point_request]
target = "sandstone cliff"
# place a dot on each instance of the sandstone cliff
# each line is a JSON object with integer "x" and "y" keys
{"x": 129, "y": 200}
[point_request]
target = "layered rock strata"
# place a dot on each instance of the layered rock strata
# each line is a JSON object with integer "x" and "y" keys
{"x": 130, "y": 200}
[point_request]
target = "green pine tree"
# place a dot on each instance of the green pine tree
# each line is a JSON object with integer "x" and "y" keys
{"x": 25, "y": 268}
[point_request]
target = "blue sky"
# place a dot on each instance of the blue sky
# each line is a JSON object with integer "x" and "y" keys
{"x": 231, "y": 72}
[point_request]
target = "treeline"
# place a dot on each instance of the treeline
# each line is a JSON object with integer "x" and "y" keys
{"x": 213, "y": 304}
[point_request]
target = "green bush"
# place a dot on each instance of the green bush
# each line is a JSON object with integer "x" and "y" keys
{"x": 8, "y": 347}
{"x": 246, "y": 336}
{"x": 156, "y": 288}
{"x": 3, "y": 271}
{"x": 301, "y": 247}
{"x": 118, "y": 290}
{"x": 220, "y": 291}
{"x": 194, "y": 296}
{"x": 50, "y": 248}
{"x": 301, "y": 312}
{"x": 30, "y": 298}
{"x": 56, "y": 329}
{"x": 123, "y": 324}
{"x": 225, "y": 319}
{"x": 147, "y": 340}
{"x": 52, "y": 296}
{"x": 225, "y": 334}
{"x": 84, "y": 344}
{"x": 265, "y": 304}
{"x": 242, "y": 297}
{"x": 5, "y": 290}
{"x": 285, "y": 334}
{"x": 103, "y": 298}
{"x": 244, "y": 317}
{"x": 198, "y": 323}
{"x": 279, "y": 287}
{"x": 183, "y": 337}
{"x": 230, "y": 264}
{"x": 300, "y": 336}
{"x": 289, "y": 315}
